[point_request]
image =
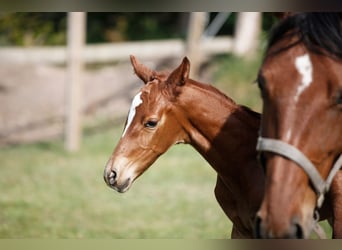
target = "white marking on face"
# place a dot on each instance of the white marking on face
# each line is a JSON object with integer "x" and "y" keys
{"x": 135, "y": 103}
{"x": 304, "y": 67}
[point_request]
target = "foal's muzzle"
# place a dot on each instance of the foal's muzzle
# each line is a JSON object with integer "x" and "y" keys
{"x": 111, "y": 179}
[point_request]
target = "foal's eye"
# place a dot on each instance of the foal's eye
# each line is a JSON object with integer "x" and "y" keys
{"x": 150, "y": 124}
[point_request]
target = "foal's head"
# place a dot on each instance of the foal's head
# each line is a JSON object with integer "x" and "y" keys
{"x": 151, "y": 126}
{"x": 301, "y": 86}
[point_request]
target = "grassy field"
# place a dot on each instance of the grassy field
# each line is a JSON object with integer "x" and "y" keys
{"x": 236, "y": 78}
{"x": 48, "y": 193}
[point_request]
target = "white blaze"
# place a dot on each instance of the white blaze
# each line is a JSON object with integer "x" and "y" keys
{"x": 135, "y": 103}
{"x": 304, "y": 67}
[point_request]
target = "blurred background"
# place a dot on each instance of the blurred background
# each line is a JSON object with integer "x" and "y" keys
{"x": 66, "y": 85}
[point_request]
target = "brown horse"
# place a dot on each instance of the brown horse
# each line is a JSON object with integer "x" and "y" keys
{"x": 301, "y": 135}
{"x": 171, "y": 109}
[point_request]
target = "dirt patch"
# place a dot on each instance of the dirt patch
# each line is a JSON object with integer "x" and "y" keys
{"x": 32, "y": 98}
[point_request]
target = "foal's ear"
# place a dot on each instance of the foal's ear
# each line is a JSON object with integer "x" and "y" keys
{"x": 181, "y": 74}
{"x": 144, "y": 73}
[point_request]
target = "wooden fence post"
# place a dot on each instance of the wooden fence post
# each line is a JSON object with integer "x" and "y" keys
{"x": 247, "y": 32}
{"x": 197, "y": 24}
{"x": 75, "y": 43}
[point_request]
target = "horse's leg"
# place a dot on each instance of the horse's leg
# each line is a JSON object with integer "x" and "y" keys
{"x": 236, "y": 234}
{"x": 336, "y": 195}
{"x": 222, "y": 197}
{"x": 228, "y": 205}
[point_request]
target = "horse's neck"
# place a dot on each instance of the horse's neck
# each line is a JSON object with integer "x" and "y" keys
{"x": 219, "y": 129}
{"x": 225, "y": 134}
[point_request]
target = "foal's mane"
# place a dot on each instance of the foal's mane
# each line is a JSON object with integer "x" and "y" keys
{"x": 224, "y": 96}
{"x": 210, "y": 89}
{"x": 320, "y": 32}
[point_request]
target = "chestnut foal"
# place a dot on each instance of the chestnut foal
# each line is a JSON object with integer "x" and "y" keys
{"x": 171, "y": 109}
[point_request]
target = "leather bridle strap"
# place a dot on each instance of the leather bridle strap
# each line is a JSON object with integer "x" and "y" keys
{"x": 292, "y": 153}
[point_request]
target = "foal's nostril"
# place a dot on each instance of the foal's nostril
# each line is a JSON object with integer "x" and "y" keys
{"x": 112, "y": 174}
{"x": 112, "y": 177}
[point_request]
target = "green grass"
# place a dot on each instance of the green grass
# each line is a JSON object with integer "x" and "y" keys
{"x": 236, "y": 77}
{"x": 48, "y": 193}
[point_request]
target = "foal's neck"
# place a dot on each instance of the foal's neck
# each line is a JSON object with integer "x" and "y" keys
{"x": 219, "y": 129}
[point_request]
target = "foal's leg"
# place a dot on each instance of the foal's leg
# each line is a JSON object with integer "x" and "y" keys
{"x": 228, "y": 205}
{"x": 236, "y": 234}
{"x": 222, "y": 197}
{"x": 336, "y": 195}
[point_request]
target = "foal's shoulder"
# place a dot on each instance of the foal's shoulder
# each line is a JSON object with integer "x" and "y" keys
{"x": 249, "y": 111}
